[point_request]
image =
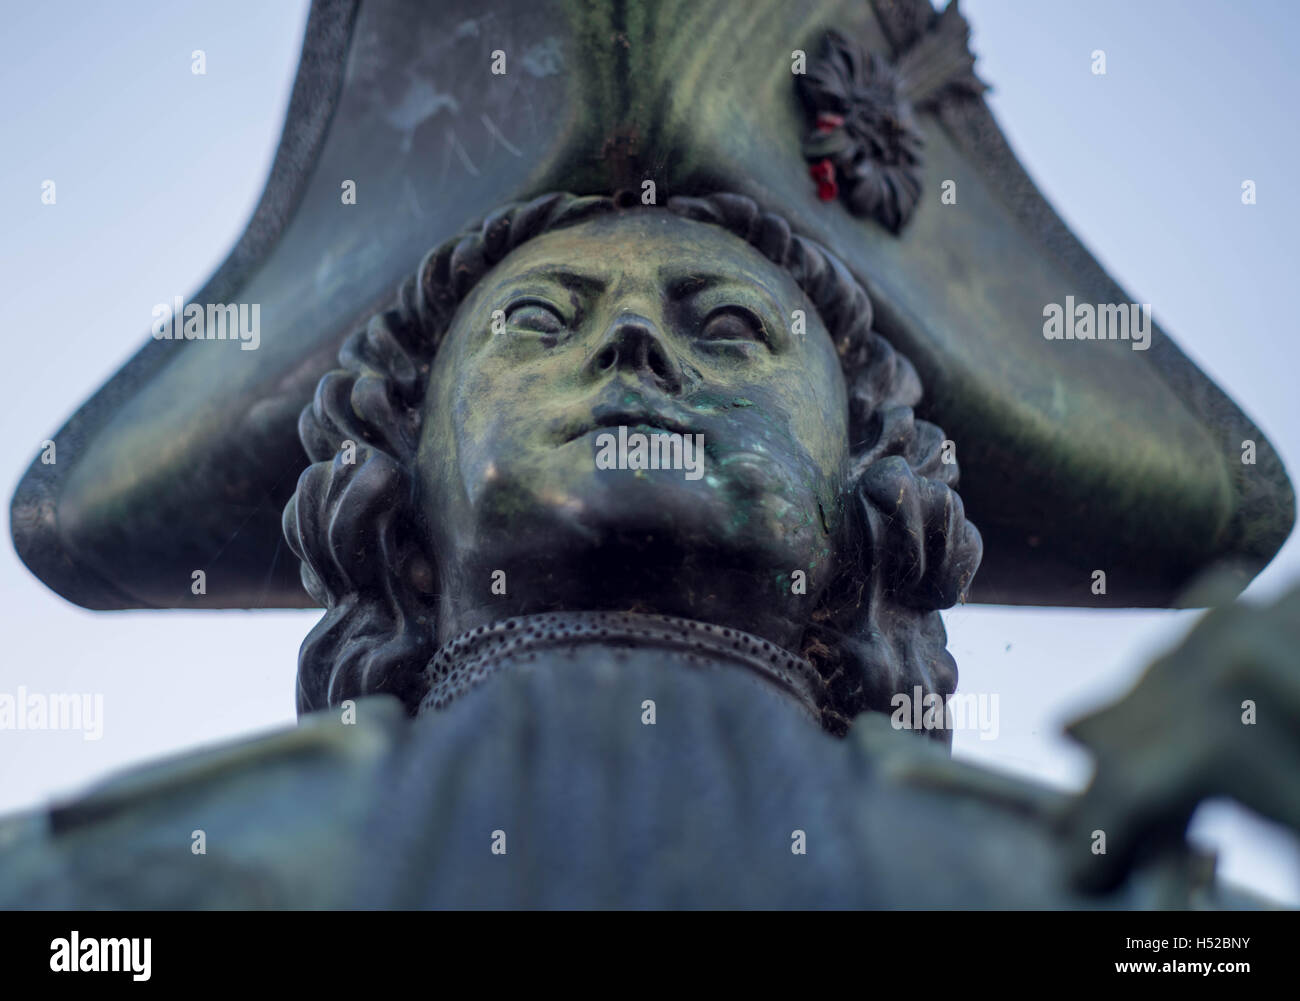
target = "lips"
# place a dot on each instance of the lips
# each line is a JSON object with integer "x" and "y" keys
{"x": 613, "y": 417}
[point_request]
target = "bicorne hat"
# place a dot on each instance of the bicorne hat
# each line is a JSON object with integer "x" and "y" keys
{"x": 855, "y": 121}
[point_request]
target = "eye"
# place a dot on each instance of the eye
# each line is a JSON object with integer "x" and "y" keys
{"x": 732, "y": 323}
{"x": 535, "y": 316}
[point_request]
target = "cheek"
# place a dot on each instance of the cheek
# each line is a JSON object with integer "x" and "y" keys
{"x": 452, "y": 434}
{"x": 497, "y": 421}
{"x": 812, "y": 394}
{"x": 471, "y": 397}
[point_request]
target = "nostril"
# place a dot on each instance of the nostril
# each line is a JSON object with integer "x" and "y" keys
{"x": 658, "y": 365}
{"x": 608, "y": 357}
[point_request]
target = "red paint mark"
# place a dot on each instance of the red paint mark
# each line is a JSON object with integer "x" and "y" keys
{"x": 823, "y": 172}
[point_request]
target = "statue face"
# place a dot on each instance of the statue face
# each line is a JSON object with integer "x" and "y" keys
{"x": 659, "y": 325}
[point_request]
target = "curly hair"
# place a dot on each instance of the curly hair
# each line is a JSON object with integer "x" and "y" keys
{"x": 905, "y": 550}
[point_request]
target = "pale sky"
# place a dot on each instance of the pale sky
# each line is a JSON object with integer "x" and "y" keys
{"x": 157, "y": 171}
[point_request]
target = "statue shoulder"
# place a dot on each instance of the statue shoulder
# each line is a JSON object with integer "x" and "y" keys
{"x": 1024, "y": 815}
{"x": 246, "y": 817}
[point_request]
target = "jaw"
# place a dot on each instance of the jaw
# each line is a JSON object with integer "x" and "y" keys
{"x": 638, "y": 540}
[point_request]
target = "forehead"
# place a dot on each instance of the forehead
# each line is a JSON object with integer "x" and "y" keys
{"x": 649, "y": 246}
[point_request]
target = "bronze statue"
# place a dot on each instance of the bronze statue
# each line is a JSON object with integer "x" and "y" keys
{"x": 629, "y": 534}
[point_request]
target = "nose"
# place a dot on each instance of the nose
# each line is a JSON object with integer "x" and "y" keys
{"x": 634, "y": 345}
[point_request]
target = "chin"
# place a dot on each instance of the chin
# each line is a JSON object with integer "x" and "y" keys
{"x": 735, "y": 517}
{"x": 691, "y": 522}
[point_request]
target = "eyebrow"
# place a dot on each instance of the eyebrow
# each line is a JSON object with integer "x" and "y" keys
{"x": 681, "y": 284}
{"x": 568, "y": 278}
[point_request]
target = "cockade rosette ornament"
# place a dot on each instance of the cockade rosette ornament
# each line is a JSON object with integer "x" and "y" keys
{"x": 373, "y": 540}
{"x": 864, "y": 144}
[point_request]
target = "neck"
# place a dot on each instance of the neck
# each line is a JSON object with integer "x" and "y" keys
{"x": 669, "y": 581}
{"x": 568, "y": 640}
